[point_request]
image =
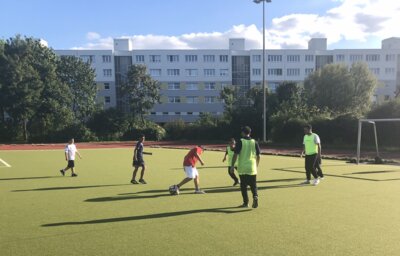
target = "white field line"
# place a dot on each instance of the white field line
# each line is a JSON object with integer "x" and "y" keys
{"x": 5, "y": 163}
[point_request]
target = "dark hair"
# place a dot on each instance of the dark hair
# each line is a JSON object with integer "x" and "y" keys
{"x": 246, "y": 130}
{"x": 232, "y": 139}
{"x": 308, "y": 126}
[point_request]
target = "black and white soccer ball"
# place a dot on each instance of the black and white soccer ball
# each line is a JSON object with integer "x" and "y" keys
{"x": 174, "y": 190}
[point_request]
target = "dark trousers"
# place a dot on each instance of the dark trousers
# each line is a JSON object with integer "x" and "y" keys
{"x": 232, "y": 174}
{"x": 248, "y": 180}
{"x": 313, "y": 166}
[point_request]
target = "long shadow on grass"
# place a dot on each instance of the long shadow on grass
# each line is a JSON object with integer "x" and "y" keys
{"x": 371, "y": 172}
{"x": 226, "y": 210}
{"x": 142, "y": 195}
{"x": 70, "y": 188}
{"x": 30, "y": 178}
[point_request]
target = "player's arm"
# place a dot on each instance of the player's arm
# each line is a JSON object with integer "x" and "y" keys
{"x": 234, "y": 159}
{"x": 198, "y": 157}
{"x": 319, "y": 150}
{"x": 66, "y": 155}
{"x": 226, "y": 153}
{"x": 258, "y": 153}
{"x": 134, "y": 154}
{"x": 79, "y": 154}
{"x": 304, "y": 150}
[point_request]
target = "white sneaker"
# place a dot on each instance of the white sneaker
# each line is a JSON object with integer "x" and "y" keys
{"x": 199, "y": 192}
{"x": 321, "y": 178}
{"x": 306, "y": 182}
{"x": 316, "y": 182}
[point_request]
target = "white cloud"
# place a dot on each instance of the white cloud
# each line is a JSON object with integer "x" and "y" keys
{"x": 44, "y": 43}
{"x": 351, "y": 20}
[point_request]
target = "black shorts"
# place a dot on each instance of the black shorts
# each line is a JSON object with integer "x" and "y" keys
{"x": 139, "y": 162}
{"x": 71, "y": 163}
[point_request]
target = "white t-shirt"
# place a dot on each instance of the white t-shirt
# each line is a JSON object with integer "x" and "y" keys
{"x": 70, "y": 149}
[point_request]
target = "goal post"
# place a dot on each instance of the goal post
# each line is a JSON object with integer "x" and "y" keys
{"x": 373, "y": 122}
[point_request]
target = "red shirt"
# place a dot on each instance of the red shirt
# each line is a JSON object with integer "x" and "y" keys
{"x": 190, "y": 158}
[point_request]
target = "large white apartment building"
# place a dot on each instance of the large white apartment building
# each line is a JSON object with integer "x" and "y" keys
{"x": 191, "y": 80}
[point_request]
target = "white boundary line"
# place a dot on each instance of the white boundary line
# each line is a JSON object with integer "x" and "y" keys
{"x": 5, "y": 163}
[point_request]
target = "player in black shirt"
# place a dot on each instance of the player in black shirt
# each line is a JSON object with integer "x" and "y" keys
{"x": 138, "y": 161}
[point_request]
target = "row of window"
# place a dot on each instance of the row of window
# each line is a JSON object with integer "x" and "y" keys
{"x": 279, "y": 71}
{"x": 339, "y": 57}
{"x": 209, "y": 72}
{"x": 192, "y": 86}
{"x": 388, "y": 71}
{"x": 279, "y": 58}
{"x": 92, "y": 58}
{"x": 368, "y": 57}
{"x": 181, "y": 113}
{"x": 192, "y": 99}
{"x": 176, "y": 58}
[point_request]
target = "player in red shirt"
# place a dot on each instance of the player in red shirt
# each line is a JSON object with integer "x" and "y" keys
{"x": 189, "y": 165}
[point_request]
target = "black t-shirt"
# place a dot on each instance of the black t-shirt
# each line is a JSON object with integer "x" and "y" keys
{"x": 139, "y": 151}
{"x": 238, "y": 147}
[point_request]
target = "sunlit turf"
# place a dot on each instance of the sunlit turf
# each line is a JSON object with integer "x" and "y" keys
{"x": 354, "y": 211}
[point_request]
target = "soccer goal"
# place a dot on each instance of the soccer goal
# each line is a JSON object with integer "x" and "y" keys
{"x": 372, "y": 122}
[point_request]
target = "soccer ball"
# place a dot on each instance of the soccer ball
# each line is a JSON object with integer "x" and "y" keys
{"x": 174, "y": 190}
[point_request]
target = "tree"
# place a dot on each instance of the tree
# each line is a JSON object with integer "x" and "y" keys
{"x": 79, "y": 77}
{"x": 109, "y": 124}
{"x": 289, "y": 91}
{"x": 141, "y": 91}
{"x": 340, "y": 90}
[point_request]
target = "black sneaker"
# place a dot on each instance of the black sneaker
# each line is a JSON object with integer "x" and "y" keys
{"x": 74, "y": 175}
{"x": 134, "y": 182}
{"x": 236, "y": 183}
{"x": 255, "y": 202}
{"x": 244, "y": 205}
{"x": 62, "y": 172}
{"x": 142, "y": 181}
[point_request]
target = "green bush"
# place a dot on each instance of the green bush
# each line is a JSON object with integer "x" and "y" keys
{"x": 151, "y": 130}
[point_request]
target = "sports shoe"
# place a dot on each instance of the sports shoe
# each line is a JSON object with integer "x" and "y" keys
{"x": 316, "y": 182}
{"x": 244, "y": 205}
{"x": 306, "y": 182}
{"x": 255, "y": 202}
{"x": 199, "y": 192}
{"x": 322, "y": 178}
{"x": 142, "y": 181}
{"x": 74, "y": 175}
{"x": 236, "y": 183}
{"x": 134, "y": 182}
{"x": 62, "y": 172}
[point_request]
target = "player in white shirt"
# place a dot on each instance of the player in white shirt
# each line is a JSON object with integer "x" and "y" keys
{"x": 70, "y": 151}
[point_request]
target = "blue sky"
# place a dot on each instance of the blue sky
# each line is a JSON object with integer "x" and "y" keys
{"x": 66, "y": 24}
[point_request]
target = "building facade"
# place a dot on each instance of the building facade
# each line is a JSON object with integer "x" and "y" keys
{"x": 191, "y": 80}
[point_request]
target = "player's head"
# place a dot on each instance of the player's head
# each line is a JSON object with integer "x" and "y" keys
{"x": 142, "y": 138}
{"x": 246, "y": 131}
{"x": 71, "y": 141}
{"x": 307, "y": 129}
{"x": 232, "y": 142}
{"x": 202, "y": 147}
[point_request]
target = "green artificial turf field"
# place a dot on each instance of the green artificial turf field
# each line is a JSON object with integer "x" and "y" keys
{"x": 354, "y": 211}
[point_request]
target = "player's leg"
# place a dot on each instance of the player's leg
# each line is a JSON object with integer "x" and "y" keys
{"x": 253, "y": 187}
{"x": 62, "y": 171}
{"x": 243, "y": 189}
{"x": 197, "y": 182}
{"x": 184, "y": 181}
{"x": 318, "y": 168}
{"x": 141, "y": 180}
{"x": 308, "y": 167}
{"x": 312, "y": 168}
{"x": 233, "y": 176}
{"x": 135, "y": 170}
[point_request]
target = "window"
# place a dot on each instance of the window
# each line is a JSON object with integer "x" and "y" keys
{"x": 356, "y": 57}
{"x": 293, "y": 71}
{"x": 107, "y": 72}
{"x": 275, "y": 72}
{"x": 293, "y": 58}
{"x": 192, "y": 99}
{"x": 387, "y": 97}
{"x": 106, "y": 86}
{"x": 173, "y": 72}
{"x": 190, "y": 113}
{"x": 191, "y": 58}
{"x": 209, "y": 72}
{"x": 209, "y": 58}
{"x": 106, "y": 58}
{"x": 155, "y": 72}
{"x": 375, "y": 71}
{"x": 274, "y": 58}
{"x": 192, "y": 86}
{"x": 88, "y": 58}
{"x": 373, "y": 57}
{"x": 191, "y": 72}
{"x": 309, "y": 58}
{"x": 256, "y": 58}
{"x": 308, "y": 71}
{"x": 174, "y": 99}
{"x": 107, "y": 99}
{"x": 256, "y": 72}
{"x": 389, "y": 71}
{"x": 223, "y": 58}
{"x": 153, "y": 113}
{"x": 273, "y": 86}
{"x": 174, "y": 86}
{"x": 209, "y": 86}
{"x": 155, "y": 58}
{"x": 223, "y": 72}
{"x": 209, "y": 99}
{"x": 340, "y": 58}
{"x": 173, "y": 58}
{"x": 390, "y": 57}
{"x": 165, "y": 113}
{"x": 140, "y": 58}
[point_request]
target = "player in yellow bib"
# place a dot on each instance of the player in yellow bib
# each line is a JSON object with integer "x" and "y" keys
{"x": 247, "y": 152}
{"x": 230, "y": 151}
{"x": 312, "y": 150}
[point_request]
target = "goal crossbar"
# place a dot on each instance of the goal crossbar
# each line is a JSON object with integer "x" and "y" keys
{"x": 373, "y": 122}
